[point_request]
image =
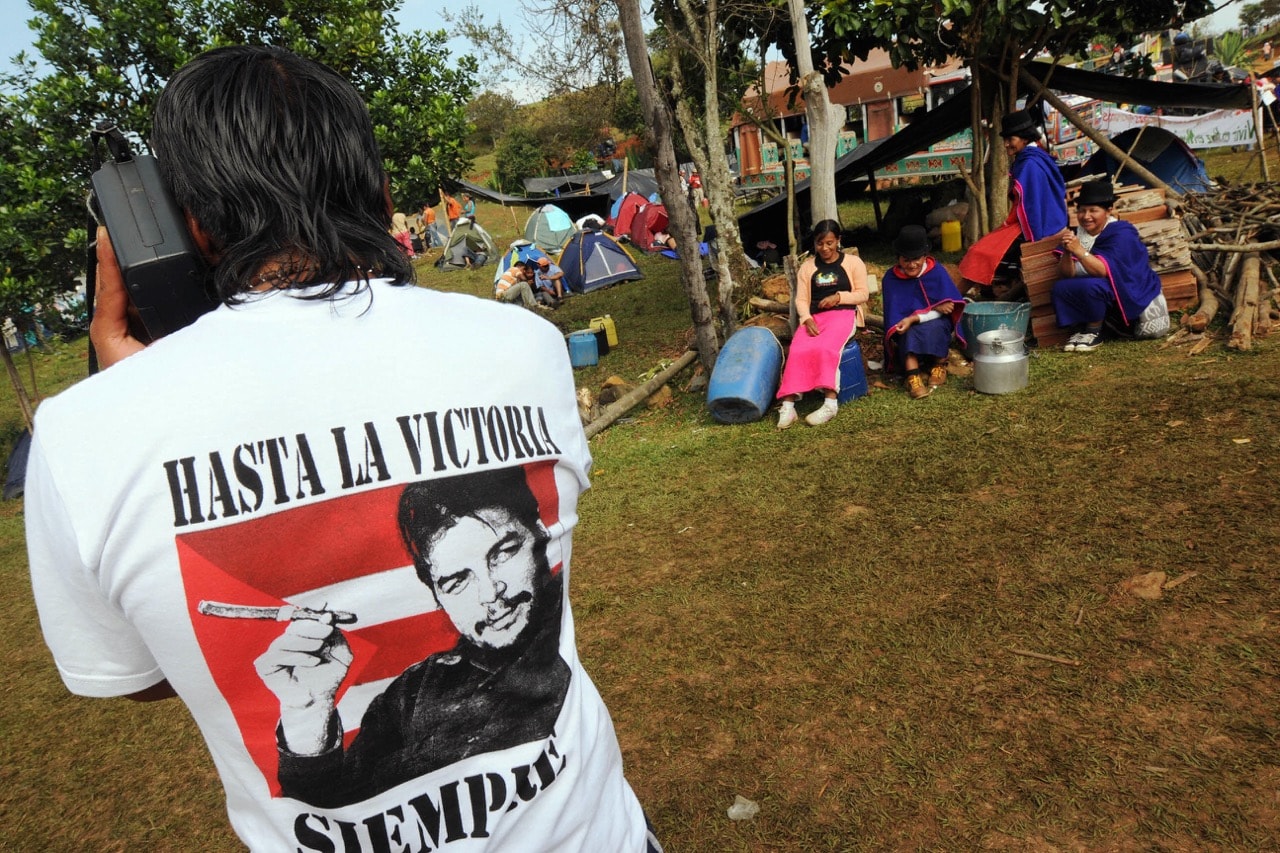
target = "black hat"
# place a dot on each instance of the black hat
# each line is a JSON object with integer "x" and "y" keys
{"x": 912, "y": 242}
{"x": 1098, "y": 193}
{"x": 1019, "y": 124}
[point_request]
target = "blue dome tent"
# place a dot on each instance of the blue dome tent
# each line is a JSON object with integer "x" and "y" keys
{"x": 593, "y": 259}
{"x": 1161, "y": 153}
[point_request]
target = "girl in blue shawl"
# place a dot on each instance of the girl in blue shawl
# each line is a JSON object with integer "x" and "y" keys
{"x": 1105, "y": 268}
{"x": 922, "y": 309}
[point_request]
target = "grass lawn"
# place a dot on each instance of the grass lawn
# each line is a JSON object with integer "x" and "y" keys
{"x": 824, "y": 620}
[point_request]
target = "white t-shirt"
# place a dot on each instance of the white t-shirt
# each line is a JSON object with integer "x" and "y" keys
{"x": 242, "y": 476}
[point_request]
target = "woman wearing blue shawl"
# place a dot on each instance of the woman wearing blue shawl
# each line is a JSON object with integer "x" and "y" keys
{"x": 1038, "y": 197}
{"x": 1105, "y": 269}
{"x": 922, "y": 309}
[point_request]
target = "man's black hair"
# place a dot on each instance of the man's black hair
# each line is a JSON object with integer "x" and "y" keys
{"x": 429, "y": 508}
{"x": 274, "y": 156}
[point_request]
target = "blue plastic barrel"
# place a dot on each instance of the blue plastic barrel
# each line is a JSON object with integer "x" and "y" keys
{"x": 979, "y": 317}
{"x": 852, "y": 379}
{"x": 745, "y": 378}
{"x": 582, "y": 349}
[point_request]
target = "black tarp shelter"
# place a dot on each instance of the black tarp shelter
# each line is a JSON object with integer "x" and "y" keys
{"x": 767, "y": 221}
{"x": 637, "y": 181}
{"x": 577, "y": 206}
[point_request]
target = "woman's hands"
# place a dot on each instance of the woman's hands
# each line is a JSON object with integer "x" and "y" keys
{"x": 829, "y": 302}
{"x": 1071, "y": 243}
{"x": 811, "y": 326}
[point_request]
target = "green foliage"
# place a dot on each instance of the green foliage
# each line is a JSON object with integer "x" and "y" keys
{"x": 1251, "y": 15}
{"x": 108, "y": 60}
{"x": 583, "y": 161}
{"x": 519, "y": 156}
{"x": 990, "y": 34}
{"x": 490, "y": 115}
{"x": 1229, "y": 48}
{"x": 41, "y": 242}
{"x": 628, "y": 118}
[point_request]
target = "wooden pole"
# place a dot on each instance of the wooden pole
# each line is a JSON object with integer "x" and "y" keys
{"x": 633, "y": 397}
{"x": 1098, "y": 138}
{"x": 444, "y": 214}
{"x": 1261, "y": 133}
{"x": 1128, "y": 154}
{"x": 875, "y": 200}
{"x": 789, "y": 266}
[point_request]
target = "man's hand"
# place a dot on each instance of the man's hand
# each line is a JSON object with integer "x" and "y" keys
{"x": 109, "y": 329}
{"x": 945, "y": 308}
{"x": 304, "y": 667}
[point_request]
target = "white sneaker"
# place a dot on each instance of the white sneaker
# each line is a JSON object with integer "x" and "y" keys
{"x": 820, "y": 415}
{"x": 1089, "y": 341}
{"x": 1072, "y": 341}
{"x": 786, "y": 416}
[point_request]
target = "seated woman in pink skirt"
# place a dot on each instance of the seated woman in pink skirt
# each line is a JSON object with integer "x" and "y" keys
{"x": 831, "y": 287}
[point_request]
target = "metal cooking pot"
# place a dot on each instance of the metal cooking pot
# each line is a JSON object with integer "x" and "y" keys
{"x": 1001, "y": 365}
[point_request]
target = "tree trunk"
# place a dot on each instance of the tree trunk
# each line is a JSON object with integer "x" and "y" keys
{"x": 731, "y": 260}
{"x": 658, "y": 127}
{"x": 19, "y": 390}
{"x": 998, "y": 165}
{"x": 730, "y": 263}
{"x": 976, "y": 222}
{"x": 824, "y": 125}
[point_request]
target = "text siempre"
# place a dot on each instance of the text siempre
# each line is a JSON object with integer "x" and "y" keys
{"x": 283, "y": 469}
{"x": 458, "y": 811}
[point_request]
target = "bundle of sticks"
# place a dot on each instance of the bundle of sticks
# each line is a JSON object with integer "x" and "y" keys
{"x": 1234, "y": 233}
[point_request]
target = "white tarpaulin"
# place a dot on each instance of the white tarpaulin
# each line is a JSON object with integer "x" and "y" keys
{"x": 1217, "y": 129}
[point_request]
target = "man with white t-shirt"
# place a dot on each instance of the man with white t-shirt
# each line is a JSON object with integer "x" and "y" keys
{"x": 245, "y": 478}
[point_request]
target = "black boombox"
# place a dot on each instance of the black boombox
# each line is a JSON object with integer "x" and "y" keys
{"x": 168, "y": 282}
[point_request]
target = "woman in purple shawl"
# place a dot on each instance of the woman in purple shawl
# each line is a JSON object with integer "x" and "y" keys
{"x": 1105, "y": 269}
{"x": 922, "y": 309}
{"x": 1037, "y": 196}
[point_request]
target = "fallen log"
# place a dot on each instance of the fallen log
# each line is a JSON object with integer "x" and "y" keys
{"x": 770, "y": 305}
{"x": 1262, "y": 320}
{"x": 1269, "y": 246}
{"x": 642, "y": 392}
{"x": 1246, "y": 308}
{"x": 1203, "y": 316}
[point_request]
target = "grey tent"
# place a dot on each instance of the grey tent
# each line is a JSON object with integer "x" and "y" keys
{"x": 548, "y": 227}
{"x": 467, "y": 237}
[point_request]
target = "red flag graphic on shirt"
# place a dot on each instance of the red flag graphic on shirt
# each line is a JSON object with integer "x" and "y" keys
{"x": 345, "y": 555}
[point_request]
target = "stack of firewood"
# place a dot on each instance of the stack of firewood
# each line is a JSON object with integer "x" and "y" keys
{"x": 1164, "y": 234}
{"x": 1234, "y": 231}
